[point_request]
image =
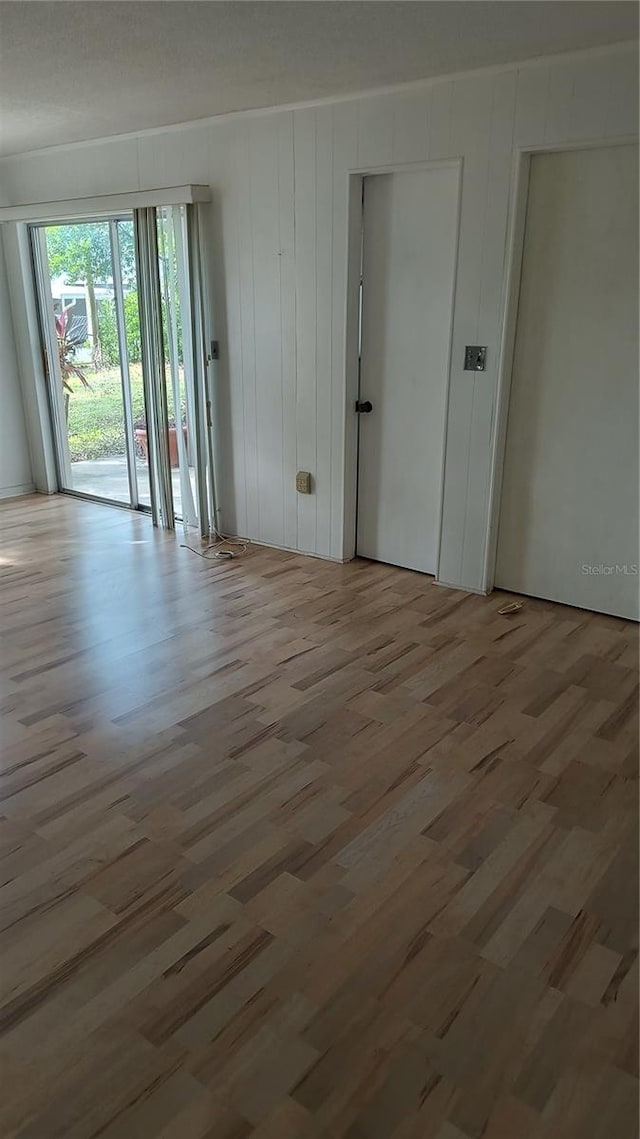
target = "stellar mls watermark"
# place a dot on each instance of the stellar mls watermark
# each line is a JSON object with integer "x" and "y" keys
{"x": 624, "y": 569}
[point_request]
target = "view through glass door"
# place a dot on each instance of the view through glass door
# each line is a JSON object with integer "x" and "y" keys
{"x": 92, "y": 330}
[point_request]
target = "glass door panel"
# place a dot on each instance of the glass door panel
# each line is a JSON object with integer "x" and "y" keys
{"x": 87, "y": 284}
{"x": 178, "y": 369}
{"x": 124, "y": 258}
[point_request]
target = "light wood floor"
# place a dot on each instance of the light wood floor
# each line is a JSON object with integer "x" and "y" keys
{"x": 293, "y": 849}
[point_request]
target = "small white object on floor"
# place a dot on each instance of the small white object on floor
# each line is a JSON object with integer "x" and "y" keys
{"x": 512, "y": 607}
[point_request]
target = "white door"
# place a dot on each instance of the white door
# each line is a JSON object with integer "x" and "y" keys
{"x": 569, "y": 509}
{"x": 408, "y": 267}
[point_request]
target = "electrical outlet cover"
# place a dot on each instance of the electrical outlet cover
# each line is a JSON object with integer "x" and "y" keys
{"x": 475, "y": 358}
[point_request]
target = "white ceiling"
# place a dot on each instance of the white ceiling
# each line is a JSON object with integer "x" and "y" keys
{"x": 72, "y": 70}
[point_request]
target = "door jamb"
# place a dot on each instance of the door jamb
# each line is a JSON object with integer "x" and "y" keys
{"x": 515, "y": 251}
{"x": 355, "y": 233}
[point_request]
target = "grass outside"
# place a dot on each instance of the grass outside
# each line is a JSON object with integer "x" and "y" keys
{"x": 96, "y": 421}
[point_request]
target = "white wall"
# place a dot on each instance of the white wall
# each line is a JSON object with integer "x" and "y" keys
{"x": 280, "y": 209}
{"x": 15, "y": 463}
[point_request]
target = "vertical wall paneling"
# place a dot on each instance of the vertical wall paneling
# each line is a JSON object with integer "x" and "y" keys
{"x": 531, "y": 104}
{"x": 287, "y": 266}
{"x": 324, "y": 325}
{"x": 345, "y": 144}
{"x": 159, "y": 165}
{"x": 490, "y": 307}
{"x": 440, "y": 119}
{"x": 265, "y": 229}
{"x": 472, "y": 100}
{"x": 411, "y": 120}
{"x": 375, "y": 130}
{"x": 305, "y": 128}
{"x": 578, "y": 101}
{"x": 77, "y": 171}
{"x": 247, "y": 324}
{"x": 622, "y": 109}
{"x": 280, "y": 204}
{"x": 228, "y": 392}
{"x": 590, "y": 99}
{"x": 559, "y": 103}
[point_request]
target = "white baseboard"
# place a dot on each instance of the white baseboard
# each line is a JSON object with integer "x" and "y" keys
{"x": 302, "y": 553}
{"x": 17, "y": 491}
{"x": 463, "y": 588}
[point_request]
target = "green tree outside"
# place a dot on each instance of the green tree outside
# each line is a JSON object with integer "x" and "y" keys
{"x": 109, "y": 330}
{"x": 81, "y": 253}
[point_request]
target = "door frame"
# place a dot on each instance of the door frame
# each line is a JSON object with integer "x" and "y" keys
{"x": 516, "y": 233}
{"x": 355, "y": 235}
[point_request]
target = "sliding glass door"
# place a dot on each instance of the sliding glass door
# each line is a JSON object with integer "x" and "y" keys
{"x": 88, "y": 294}
{"x": 123, "y": 332}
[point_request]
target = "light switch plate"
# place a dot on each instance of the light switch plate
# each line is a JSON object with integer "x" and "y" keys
{"x": 303, "y": 482}
{"x": 475, "y": 358}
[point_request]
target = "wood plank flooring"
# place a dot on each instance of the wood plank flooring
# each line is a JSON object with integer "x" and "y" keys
{"x": 293, "y": 849}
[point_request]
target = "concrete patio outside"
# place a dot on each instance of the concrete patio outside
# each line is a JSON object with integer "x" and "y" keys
{"x": 108, "y": 478}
